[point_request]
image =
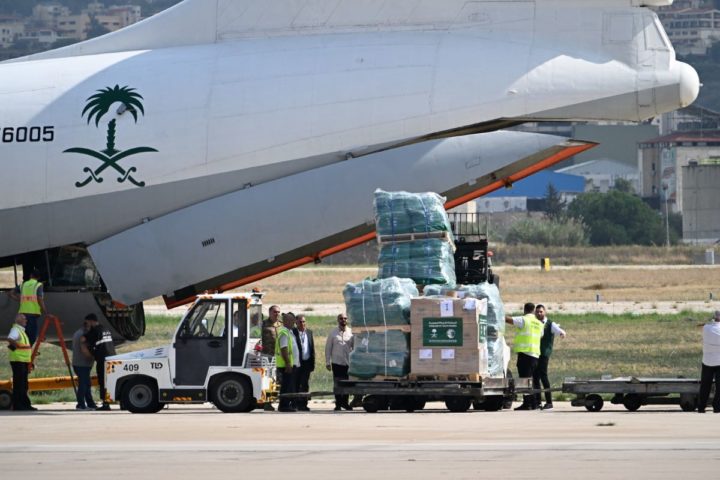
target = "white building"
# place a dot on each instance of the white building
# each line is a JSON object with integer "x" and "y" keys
{"x": 601, "y": 174}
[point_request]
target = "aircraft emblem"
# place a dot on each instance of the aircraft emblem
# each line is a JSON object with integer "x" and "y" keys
{"x": 98, "y": 105}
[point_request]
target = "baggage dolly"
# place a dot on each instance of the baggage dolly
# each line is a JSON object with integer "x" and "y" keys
{"x": 633, "y": 392}
{"x": 409, "y": 394}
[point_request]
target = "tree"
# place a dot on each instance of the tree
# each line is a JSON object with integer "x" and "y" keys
{"x": 618, "y": 218}
{"x": 554, "y": 205}
{"x": 624, "y": 185}
{"x": 533, "y": 231}
{"x": 99, "y": 104}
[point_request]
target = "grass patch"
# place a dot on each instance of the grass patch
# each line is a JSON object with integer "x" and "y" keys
{"x": 620, "y": 345}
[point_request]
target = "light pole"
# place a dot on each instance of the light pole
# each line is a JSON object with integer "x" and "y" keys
{"x": 667, "y": 217}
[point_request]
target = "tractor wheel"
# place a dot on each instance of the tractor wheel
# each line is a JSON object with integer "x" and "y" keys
{"x": 231, "y": 393}
{"x": 140, "y": 395}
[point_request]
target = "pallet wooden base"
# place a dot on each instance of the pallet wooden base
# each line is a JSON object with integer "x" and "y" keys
{"x": 411, "y": 237}
{"x": 380, "y": 329}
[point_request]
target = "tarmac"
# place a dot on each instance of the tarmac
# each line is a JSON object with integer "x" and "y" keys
{"x": 198, "y": 441}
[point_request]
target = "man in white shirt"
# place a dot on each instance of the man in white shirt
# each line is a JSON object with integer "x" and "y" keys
{"x": 710, "y": 364}
{"x": 546, "y": 347}
{"x": 339, "y": 344}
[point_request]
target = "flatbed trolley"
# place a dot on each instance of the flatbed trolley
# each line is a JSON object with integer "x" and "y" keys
{"x": 490, "y": 394}
{"x": 633, "y": 392}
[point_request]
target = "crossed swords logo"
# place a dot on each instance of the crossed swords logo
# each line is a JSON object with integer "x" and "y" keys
{"x": 98, "y": 105}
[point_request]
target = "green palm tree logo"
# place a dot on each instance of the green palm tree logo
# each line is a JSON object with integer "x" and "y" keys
{"x": 97, "y": 107}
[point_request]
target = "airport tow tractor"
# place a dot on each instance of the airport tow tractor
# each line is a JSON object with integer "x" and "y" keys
{"x": 207, "y": 362}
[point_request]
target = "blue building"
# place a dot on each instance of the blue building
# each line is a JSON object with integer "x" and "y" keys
{"x": 529, "y": 193}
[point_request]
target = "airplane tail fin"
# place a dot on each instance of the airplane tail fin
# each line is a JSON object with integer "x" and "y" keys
{"x": 197, "y": 22}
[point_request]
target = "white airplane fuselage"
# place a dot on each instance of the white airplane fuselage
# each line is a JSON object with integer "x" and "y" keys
{"x": 103, "y": 137}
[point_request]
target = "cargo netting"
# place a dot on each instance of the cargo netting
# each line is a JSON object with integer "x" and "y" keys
{"x": 427, "y": 262}
{"x": 495, "y": 318}
{"x": 379, "y": 303}
{"x": 380, "y": 353}
{"x": 403, "y": 212}
{"x": 414, "y": 234}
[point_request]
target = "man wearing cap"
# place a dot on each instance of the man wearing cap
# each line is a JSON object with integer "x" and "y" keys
{"x": 99, "y": 340}
{"x": 20, "y": 359}
{"x": 710, "y": 364}
{"x": 32, "y": 305}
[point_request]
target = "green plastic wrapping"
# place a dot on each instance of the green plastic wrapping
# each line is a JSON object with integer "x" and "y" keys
{"x": 380, "y": 353}
{"x": 427, "y": 261}
{"x": 495, "y": 318}
{"x": 402, "y": 212}
{"x": 382, "y": 302}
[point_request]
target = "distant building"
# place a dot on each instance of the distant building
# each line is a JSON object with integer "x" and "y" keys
{"x": 701, "y": 202}
{"x": 692, "y": 118}
{"x": 11, "y": 29}
{"x": 661, "y": 161}
{"x": 601, "y": 174}
{"x": 529, "y": 194}
{"x": 75, "y": 26}
{"x": 692, "y": 26}
{"x": 43, "y": 36}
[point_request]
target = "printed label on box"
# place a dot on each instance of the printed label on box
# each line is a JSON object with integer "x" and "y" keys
{"x": 442, "y": 332}
{"x": 425, "y": 354}
{"x": 446, "y": 308}
{"x": 447, "y": 353}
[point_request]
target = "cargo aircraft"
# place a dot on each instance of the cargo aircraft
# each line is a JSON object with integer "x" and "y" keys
{"x": 223, "y": 141}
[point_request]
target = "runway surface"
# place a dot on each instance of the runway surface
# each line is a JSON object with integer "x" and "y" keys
{"x": 200, "y": 442}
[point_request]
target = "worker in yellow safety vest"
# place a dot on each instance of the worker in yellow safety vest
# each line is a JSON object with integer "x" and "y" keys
{"x": 30, "y": 295}
{"x": 20, "y": 358}
{"x": 527, "y": 347}
{"x": 287, "y": 360}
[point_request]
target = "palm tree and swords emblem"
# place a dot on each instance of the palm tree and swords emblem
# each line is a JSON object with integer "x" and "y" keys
{"x": 98, "y": 105}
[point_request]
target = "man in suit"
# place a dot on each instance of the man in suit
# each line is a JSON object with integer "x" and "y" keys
{"x": 304, "y": 337}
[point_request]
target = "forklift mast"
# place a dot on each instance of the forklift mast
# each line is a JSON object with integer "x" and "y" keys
{"x": 473, "y": 263}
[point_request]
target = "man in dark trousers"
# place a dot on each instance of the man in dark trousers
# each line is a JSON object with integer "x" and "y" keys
{"x": 306, "y": 343}
{"x": 20, "y": 359}
{"x": 99, "y": 340}
{"x": 710, "y": 364}
{"x": 546, "y": 348}
{"x": 527, "y": 346}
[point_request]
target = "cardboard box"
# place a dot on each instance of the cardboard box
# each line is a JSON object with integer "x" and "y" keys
{"x": 449, "y": 361}
{"x": 448, "y": 336}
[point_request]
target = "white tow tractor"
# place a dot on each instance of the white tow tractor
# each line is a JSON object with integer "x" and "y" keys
{"x": 207, "y": 361}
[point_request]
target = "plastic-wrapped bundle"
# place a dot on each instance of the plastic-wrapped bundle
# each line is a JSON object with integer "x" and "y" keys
{"x": 373, "y": 303}
{"x": 380, "y": 353}
{"x": 428, "y": 261}
{"x": 495, "y": 318}
{"x": 402, "y": 212}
